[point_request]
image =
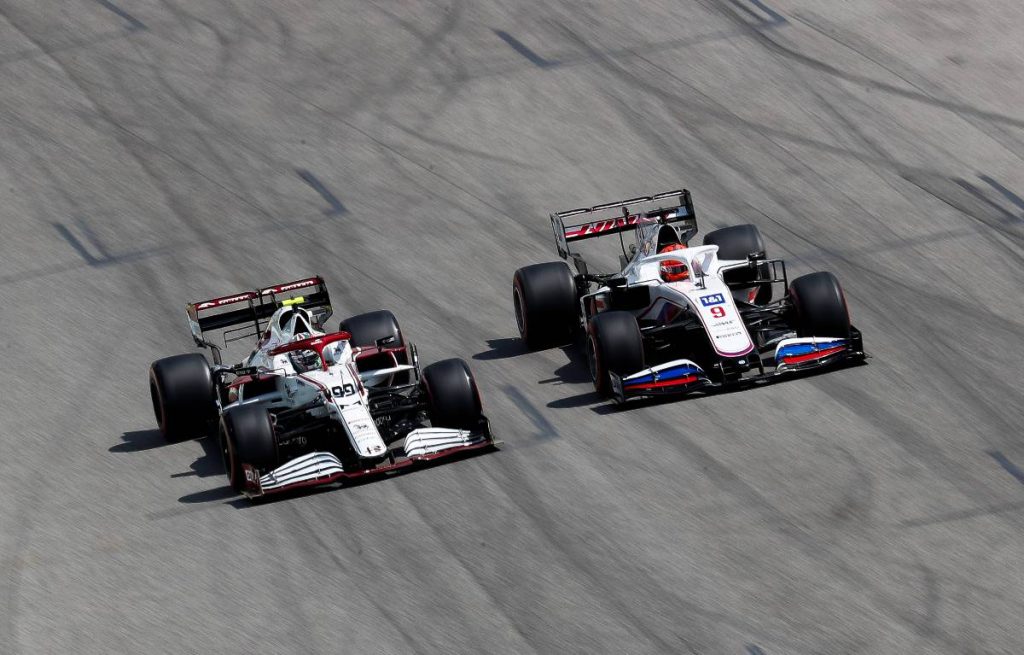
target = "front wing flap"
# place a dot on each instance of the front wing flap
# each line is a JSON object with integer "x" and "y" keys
{"x": 793, "y": 355}
{"x": 676, "y": 377}
{"x": 321, "y": 467}
{"x": 803, "y": 353}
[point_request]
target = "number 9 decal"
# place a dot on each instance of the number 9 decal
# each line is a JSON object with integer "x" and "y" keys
{"x": 718, "y": 312}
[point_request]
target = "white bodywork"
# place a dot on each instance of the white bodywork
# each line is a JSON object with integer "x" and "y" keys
{"x": 337, "y": 380}
{"x": 705, "y": 293}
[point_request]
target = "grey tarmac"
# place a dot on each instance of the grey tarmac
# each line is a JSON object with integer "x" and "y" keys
{"x": 154, "y": 152}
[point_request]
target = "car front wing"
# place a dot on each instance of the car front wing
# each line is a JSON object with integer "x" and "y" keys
{"x": 323, "y": 467}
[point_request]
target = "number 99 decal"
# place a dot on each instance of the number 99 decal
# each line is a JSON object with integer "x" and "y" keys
{"x": 346, "y": 390}
{"x": 718, "y": 312}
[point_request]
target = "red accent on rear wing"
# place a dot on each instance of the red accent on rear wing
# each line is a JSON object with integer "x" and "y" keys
{"x": 679, "y": 210}
{"x": 597, "y": 228}
{"x": 291, "y": 286}
{"x": 249, "y": 308}
{"x": 224, "y": 300}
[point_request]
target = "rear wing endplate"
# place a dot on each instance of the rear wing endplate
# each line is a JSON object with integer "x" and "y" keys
{"x": 243, "y": 314}
{"x": 624, "y": 215}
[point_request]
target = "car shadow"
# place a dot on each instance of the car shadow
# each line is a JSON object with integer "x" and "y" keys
{"x": 502, "y": 349}
{"x": 139, "y": 440}
{"x": 207, "y": 464}
{"x": 574, "y": 371}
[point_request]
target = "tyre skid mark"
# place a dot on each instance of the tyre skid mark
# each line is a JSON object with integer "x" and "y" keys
{"x": 336, "y": 208}
{"x": 133, "y": 22}
{"x": 526, "y": 52}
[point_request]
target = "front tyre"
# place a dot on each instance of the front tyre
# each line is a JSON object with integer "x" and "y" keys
{"x": 369, "y": 328}
{"x": 819, "y": 306}
{"x": 247, "y": 437}
{"x": 614, "y": 345}
{"x": 453, "y": 400}
{"x": 182, "y": 390}
{"x": 545, "y": 304}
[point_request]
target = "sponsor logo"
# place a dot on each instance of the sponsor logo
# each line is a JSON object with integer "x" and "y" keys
{"x": 222, "y": 301}
{"x": 601, "y": 226}
{"x": 290, "y": 287}
{"x": 713, "y": 299}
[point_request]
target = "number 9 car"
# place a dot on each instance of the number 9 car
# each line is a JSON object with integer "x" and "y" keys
{"x": 680, "y": 318}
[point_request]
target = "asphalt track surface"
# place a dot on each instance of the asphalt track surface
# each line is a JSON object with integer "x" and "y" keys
{"x": 158, "y": 151}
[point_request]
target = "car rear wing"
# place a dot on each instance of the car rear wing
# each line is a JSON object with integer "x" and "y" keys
{"x": 624, "y": 215}
{"x": 243, "y": 314}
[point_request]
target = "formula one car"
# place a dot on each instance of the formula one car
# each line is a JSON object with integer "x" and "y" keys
{"x": 678, "y": 319}
{"x": 308, "y": 407}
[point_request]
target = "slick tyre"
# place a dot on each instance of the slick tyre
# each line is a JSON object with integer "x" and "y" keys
{"x": 819, "y": 306}
{"x": 545, "y": 304}
{"x": 739, "y": 242}
{"x": 183, "y": 395}
{"x": 453, "y": 400}
{"x": 366, "y": 329}
{"x": 614, "y": 345}
{"x": 247, "y": 437}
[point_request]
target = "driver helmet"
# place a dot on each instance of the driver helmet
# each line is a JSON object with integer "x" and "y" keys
{"x": 673, "y": 270}
{"x": 304, "y": 360}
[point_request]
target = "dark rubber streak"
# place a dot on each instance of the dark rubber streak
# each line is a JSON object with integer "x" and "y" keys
{"x": 754, "y": 650}
{"x": 93, "y": 240}
{"x": 133, "y": 22}
{"x": 1009, "y": 195}
{"x": 1010, "y": 467}
{"x": 89, "y": 258}
{"x": 336, "y": 207}
{"x": 776, "y": 17}
{"x": 963, "y": 515}
{"x": 980, "y": 195}
{"x": 545, "y": 427}
{"x": 519, "y": 47}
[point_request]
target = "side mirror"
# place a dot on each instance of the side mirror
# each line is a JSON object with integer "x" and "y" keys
{"x": 385, "y": 341}
{"x": 320, "y": 316}
{"x": 617, "y": 281}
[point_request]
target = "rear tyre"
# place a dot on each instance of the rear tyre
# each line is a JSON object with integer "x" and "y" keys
{"x": 183, "y": 395}
{"x": 739, "y": 242}
{"x": 366, "y": 329}
{"x": 819, "y": 306}
{"x": 614, "y": 345}
{"x": 247, "y": 437}
{"x": 452, "y": 396}
{"x": 545, "y": 303}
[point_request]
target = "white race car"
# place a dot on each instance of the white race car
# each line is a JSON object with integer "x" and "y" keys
{"x": 678, "y": 318}
{"x": 308, "y": 407}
